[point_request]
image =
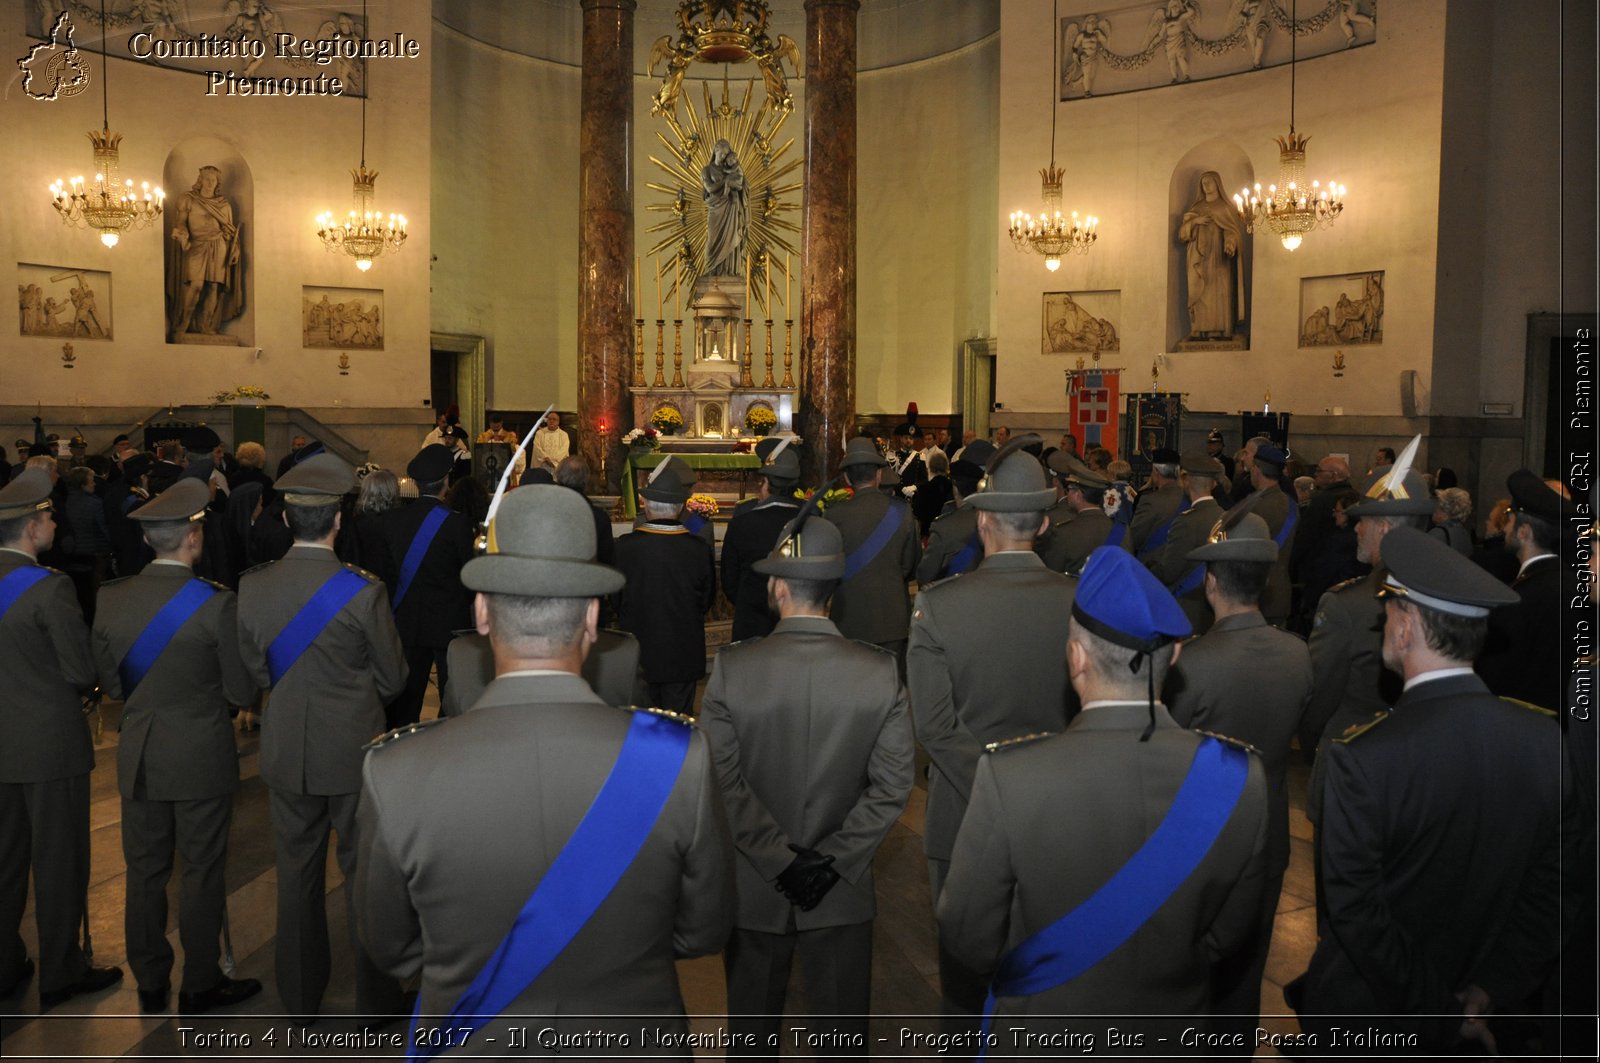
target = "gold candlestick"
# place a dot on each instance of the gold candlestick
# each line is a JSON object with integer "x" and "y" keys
{"x": 769, "y": 382}
{"x": 661, "y": 356}
{"x": 745, "y": 379}
{"x": 788, "y": 352}
{"x": 638, "y": 352}
{"x": 677, "y": 353}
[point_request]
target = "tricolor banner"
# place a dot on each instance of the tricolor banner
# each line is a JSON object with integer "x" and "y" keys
{"x": 1093, "y": 403}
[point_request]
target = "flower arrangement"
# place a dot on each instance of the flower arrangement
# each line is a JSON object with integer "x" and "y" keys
{"x": 760, "y": 420}
{"x": 242, "y": 391}
{"x": 642, "y": 439}
{"x": 666, "y": 419}
{"x": 743, "y": 446}
{"x": 704, "y": 505}
{"x": 836, "y": 495}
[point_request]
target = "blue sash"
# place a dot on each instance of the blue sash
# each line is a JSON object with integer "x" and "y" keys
{"x": 1100, "y": 925}
{"x": 1158, "y": 538}
{"x": 417, "y": 551}
{"x": 863, "y": 555}
{"x": 694, "y": 522}
{"x": 19, "y": 580}
{"x": 964, "y": 558}
{"x": 1288, "y": 523}
{"x": 303, "y": 629}
{"x": 1195, "y": 576}
{"x": 1119, "y": 531}
{"x": 141, "y": 656}
{"x": 582, "y": 875}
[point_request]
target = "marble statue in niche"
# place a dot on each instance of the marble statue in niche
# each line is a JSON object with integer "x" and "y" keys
{"x": 1172, "y": 25}
{"x": 205, "y": 276}
{"x": 1214, "y": 272}
{"x": 1084, "y": 45}
{"x": 727, "y": 212}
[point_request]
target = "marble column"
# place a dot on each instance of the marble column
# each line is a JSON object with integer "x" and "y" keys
{"x": 828, "y": 270}
{"x": 605, "y": 230}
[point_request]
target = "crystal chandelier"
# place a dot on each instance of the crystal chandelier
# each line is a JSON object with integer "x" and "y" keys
{"x": 365, "y": 233}
{"x": 108, "y": 208}
{"x": 1290, "y": 208}
{"x": 1051, "y": 234}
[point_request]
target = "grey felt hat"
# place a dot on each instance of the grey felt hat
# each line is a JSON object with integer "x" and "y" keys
{"x": 672, "y": 481}
{"x": 1246, "y": 539}
{"x": 861, "y": 451}
{"x": 27, "y": 493}
{"x": 1200, "y": 463}
{"x": 783, "y": 465}
{"x": 1074, "y": 471}
{"x": 816, "y": 551}
{"x": 541, "y": 545}
{"x": 1014, "y": 481}
{"x": 1409, "y": 497}
{"x": 320, "y": 480}
{"x": 185, "y": 500}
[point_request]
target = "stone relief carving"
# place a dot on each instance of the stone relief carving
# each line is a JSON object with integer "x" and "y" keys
{"x": 1330, "y": 319}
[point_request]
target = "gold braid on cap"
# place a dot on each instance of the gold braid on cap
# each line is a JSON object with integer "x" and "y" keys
{"x": 789, "y": 542}
{"x": 1220, "y": 530}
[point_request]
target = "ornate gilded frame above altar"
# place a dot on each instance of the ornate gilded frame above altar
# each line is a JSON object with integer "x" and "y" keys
{"x": 1146, "y": 46}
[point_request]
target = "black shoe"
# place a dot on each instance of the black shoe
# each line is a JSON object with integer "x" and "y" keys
{"x": 154, "y": 1000}
{"x": 91, "y": 981}
{"x": 22, "y": 979}
{"x": 232, "y": 991}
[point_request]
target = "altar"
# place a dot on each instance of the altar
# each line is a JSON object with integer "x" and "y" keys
{"x": 638, "y": 468}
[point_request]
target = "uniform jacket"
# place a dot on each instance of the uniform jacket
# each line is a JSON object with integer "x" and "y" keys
{"x": 1523, "y": 657}
{"x": 330, "y": 703}
{"x": 948, "y": 536}
{"x": 986, "y": 662}
{"x": 1154, "y": 509}
{"x": 1440, "y": 853}
{"x": 751, "y": 535}
{"x": 1248, "y": 681}
{"x": 1273, "y": 507}
{"x": 1021, "y": 862}
{"x": 812, "y": 745}
{"x": 611, "y": 670}
{"x": 873, "y": 605}
{"x": 176, "y": 729}
{"x": 45, "y": 658}
{"x": 672, "y": 581}
{"x": 438, "y": 603}
{"x": 1066, "y": 547}
{"x": 444, "y": 869}
{"x": 1171, "y": 563}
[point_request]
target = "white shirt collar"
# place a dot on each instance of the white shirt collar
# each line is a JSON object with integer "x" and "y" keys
{"x": 1437, "y": 673}
{"x": 1531, "y": 560}
{"x": 24, "y": 553}
{"x": 315, "y": 546}
{"x": 536, "y": 671}
{"x": 1118, "y": 701}
{"x": 172, "y": 561}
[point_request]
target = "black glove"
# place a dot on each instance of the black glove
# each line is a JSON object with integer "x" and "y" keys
{"x": 808, "y": 878}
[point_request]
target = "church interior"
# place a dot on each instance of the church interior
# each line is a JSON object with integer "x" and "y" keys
{"x": 558, "y": 249}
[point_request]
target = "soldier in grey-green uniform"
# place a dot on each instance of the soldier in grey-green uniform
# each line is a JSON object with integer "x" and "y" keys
{"x": 1350, "y": 684}
{"x": 1190, "y": 529}
{"x": 813, "y": 748}
{"x": 1277, "y": 507}
{"x": 611, "y": 669}
{"x": 462, "y": 819}
{"x": 325, "y": 705}
{"x": 1247, "y": 681}
{"x": 1066, "y": 547}
{"x": 1158, "y": 501}
{"x": 953, "y": 544}
{"x": 167, "y": 645}
{"x": 881, "y": 547}
{"x": 45, "y": 754}
{"x": 976, "y": 675}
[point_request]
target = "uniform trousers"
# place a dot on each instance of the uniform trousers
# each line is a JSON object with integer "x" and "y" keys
{"x": 674, "y": 697}
{"x": 964, "y": 990}
{"x": 836, "y": 964}
{"x": 300, "y": 826}
{"x": 406, "y": 708}
{"x": 1236, "y": 980}
{"x": 47, "y": 824}
{"x": 151, "y": 832}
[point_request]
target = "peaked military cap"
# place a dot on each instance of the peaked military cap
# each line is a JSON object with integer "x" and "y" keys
{"x": 1247, "y": 539}
{"x": 541, "y": 544}
{"x": 185, "y": 500}
{"x": 320, "y": 480}
{"x": 1119, "y": 600}
{"x": 1074, "y": 471}
{"x": 432, "y": 463}
{"x": 26, "y": 494}
{"x": 1409, "y": 497}
{"x": 904, "y": 429}
{"x": 815, "y": 551}
{"x": 861, "y": 451}
{"x": 1426, "y": 570}
{"x": 1214, "y": 436}
{"x": 1014, "y": 482}
{"x": 671, "y": 481}
{"x": 1199, "y": 463}
{"x": 1165, "y": 456}
{"x": 1530, "y": 494}
{"x": 767, "y": 444}
{"x": 310, "y": 450}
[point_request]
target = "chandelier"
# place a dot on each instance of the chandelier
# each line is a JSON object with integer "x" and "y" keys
{"x": 1290, "y": 208}
{"x": 365, "y": 233}
{"x": 1052, "y": 234}
{"x": 108, "y": 207}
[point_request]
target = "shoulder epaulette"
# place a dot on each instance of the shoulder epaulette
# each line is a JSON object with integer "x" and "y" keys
{"x": 1351, "y": 582}
{"x": 1356, "y": 730}
{"x": 942, "y": 580}
{"x": 677, "y": 717}
{"x": 114, "y": 582}
{"x": 749, "y": 641}
{"x": 257, "y": 568}
{"x": 1012, "y": 743}
{"x": 1540, "y": 709}
{"x": 401, "y": 732}
{"x": 212, "y": 583}
{"x": 53, "y": 571}
{"x": 1246, "y": 746}
{"x": 363, "y": 573}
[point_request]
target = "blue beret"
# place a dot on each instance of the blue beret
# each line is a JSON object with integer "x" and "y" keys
{"x": 1272, "y": 454}
{"x": 1119, "y": 600}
